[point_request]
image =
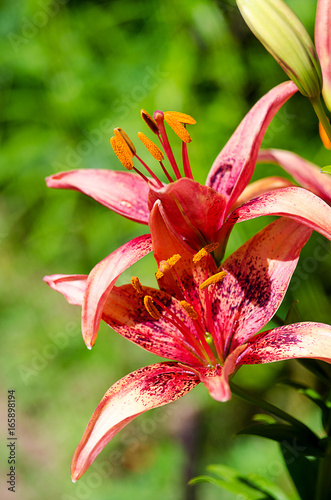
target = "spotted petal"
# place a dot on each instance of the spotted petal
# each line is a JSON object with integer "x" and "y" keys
{"x": 294, "y": 202}
{"x": 142, "y": 390}
{"x": 172, "y": 336}
{"x": 123, "y": 192}
{"x": 258, "y": 274}
{"x": 299, "y": 340}
{"x": 234, "y": 166}
{"x": 304, "y": 172}
{"x": 102, "y": 279}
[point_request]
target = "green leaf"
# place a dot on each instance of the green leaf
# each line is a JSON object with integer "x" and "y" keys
{"x": 302, "y": 441}
{"x": 315, "y": 367}
{"x": 310, "y": 393}
{"x": 326, "y": 169}
{"x": 302, "y": 470}
{"x": 250, "y": 486}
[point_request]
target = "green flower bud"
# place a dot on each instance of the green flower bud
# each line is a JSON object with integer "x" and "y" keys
{"x": 285, "y": 37}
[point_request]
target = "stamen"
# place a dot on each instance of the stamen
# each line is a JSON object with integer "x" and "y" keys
{"x": 181, "y": 117}
{"x": 159, "y": 118}
{"x": 122, "y": 151}
{"x": 205, "y": 251}
{"x": 166, "y": 265}
{"x": 189, "y": 309}
{"x": 135, "y": 282}
{"x": 177, "y": 127}
{"x": 120, "y": 133}
{"x": 151, "y": 308}
{"x": 212, "y": 279}
{"x": 152, "y": 148}
{"x": 149, "y": 122}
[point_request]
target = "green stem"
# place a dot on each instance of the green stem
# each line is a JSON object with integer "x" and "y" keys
{"x": 243, "y": 394}
{"x": 319, "y": 110}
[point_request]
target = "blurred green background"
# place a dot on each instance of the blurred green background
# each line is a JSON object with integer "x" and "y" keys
{"x": 72, "y": 71}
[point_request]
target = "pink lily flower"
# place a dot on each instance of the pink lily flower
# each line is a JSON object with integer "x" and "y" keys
{"x": 196, "y": 213}
{"x": 204, "y": 319}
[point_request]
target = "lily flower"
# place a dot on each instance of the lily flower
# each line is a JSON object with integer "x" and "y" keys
{"x": 197, "y": 215}
{"x": 203, "y": 318}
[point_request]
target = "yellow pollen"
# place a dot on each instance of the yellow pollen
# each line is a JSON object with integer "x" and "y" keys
{"x": 177, "y": 127}
{"x": 152, "y": 148}
{"x": 151, "y": 308}
{"x": 150, "y": 122}
{"x": 189, "y": 309}
{"x": 204, "y": 252}
{"x": 181, "y": 117}
{"x": 120, "y": 133}
{"x": 166, "y": 265}
{"x": 213, "y": 279}
{"x": 122, "y": 151}
{"x": 136, "y": 285}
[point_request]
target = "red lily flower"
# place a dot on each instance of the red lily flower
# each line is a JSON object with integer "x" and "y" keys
{"x": 323, "y": 46}
{"x": 202, "y": 318}
{"x": 195, "y": 214}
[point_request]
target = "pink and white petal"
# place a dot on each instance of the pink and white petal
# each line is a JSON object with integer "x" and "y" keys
{"x": 260, "y": 187}
{"x": 258, "y": 274}
{"x": 303, "y": 171}
{"x": 138, "y": 392}
{"x": 323, "y": 45}
{"x": 299, "y": 340}
{"x": 72, "y": 286}
{"x": 234, "y": 166}
{"x": 293, "y": 202}
{"x": 124, "y": 311}
{"x": 123, "y": 192}
{"x": 102, "y": 279}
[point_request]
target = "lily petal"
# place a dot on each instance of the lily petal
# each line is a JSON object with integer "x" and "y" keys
{"x": 138, "y": 392}
{"x": 124, "y": 311}
{"x": 299, "y": 340}
{"x": 294, "y": 202}
{"x": 304, "y": 172}
{"x": 234, "y": 166}
{"x": 72, "y": 286}
{"x": 260, "y": 187}
{"x": 123, "y": 192}
{"x": 102, "y": 279}
{"x": 323, "y": 45}
{"x": 258, "y": 274}
{"x": 196, "y": 212}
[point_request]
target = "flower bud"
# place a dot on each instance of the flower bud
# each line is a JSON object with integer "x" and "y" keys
{"x": 284, "y": 36}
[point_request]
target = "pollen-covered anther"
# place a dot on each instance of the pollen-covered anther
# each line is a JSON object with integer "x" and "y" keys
{"x": 205, "y": 251}
{"x": 135, "y": 282}
{"x": 120, "y": 133}
{"x": 177, "y": 127}
{"x": 122, "y": 151}
{"x": 149, "y": 122}
{"x": 151, "y": 308}
{"x": 324, "y": 137}
{"x": 152, "y": 148}
{"x": 189, "y": 309}
{"x": 181, "y": 117}
{"x": 212, "y": 279}
{"x": 166, "y": 265}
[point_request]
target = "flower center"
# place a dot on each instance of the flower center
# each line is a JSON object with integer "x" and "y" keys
{"x": 198, "y": 333}
{"x": 126, "y": 151}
